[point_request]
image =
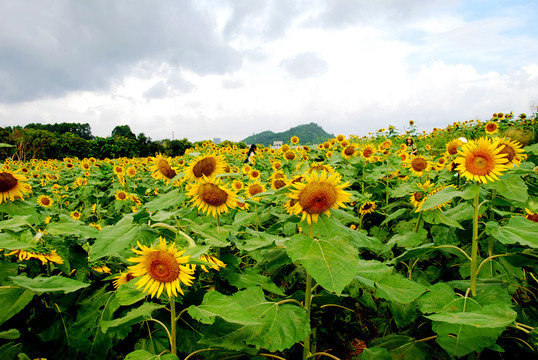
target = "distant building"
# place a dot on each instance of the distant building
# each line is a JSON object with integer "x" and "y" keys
{"x": 216, "y": 141}
{"x": 277, "y": 144}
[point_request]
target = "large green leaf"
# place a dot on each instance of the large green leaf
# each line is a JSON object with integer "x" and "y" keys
{"x": 278, "y": 327}
{"x": 145, "y": 355}
{"x": 251, "y": 278}
{"x": 460, "y": 340}
{"x": 48, "y": 284}
{"x": 370, "y": 271}
{"x": 8, "y": 243}
{"x": 332, "y": 263}
{"x": 440, "y": 197}
{"x": 440, "y": 297}
{"x": 518, "y": 230}
{"x": 397, "y": 288}
{"x": 510, "y": 187}
{"x": 489, "y": 316}
{"x": 143, "y": 312}
{"x": 118, "y": 239}
{"x": 66, "y": 226}
{"x": 15, "y": 222}
{"x": 217, "y": 237}
{"x": 164, "y": 201}
{"x": 13, "y": 301}
{"x": 217, "y": 305}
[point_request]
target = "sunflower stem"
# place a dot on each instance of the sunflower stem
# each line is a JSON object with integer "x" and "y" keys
{"x": 173, "y": 335}
{"x": 360, "y": 221}
{"x": 474, "y": 246}
{"x": 418, "y": 221}
{"x": 308, "y": 302}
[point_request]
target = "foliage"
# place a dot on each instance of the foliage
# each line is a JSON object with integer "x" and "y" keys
{"x": 307, "y": 133}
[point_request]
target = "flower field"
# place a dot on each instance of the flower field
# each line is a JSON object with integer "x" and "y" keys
{"x": 374, "y": 247}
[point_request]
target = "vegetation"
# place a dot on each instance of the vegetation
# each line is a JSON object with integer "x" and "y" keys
{"x": 353, "y": 249}
{"x": 308, "y": 133}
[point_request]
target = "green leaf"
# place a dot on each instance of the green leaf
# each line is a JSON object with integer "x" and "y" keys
{"x": 66, "y": 226}
{"x": 279, "y": 326}
{"x": 440, "y": 197}
{"x": 438, "y": 217}
{"x": 217, "y": 237}
{"x": 8, "y": 243}
{"x": 13, "y": 301}
{"x": 165, "y": 201}
{"x": 394, "y": 215}
{"x": 489, "y": 316}
{"x": 134, "y": 316}
{"x": 145, "y": 355}
{"x": 10, "y": 334}
{"x": 518, "y": 230}
{"x": 375, "y": 353}
{"x": 128, "y": 294}
{"x": 399, "y": 289}
{"x": 409, "y": 239}
{"x": 118, "y": 239}
{"x": 15, "y": 222}
{"x": 49, "y": 284}
{"x": 370, "y": 271}
{"x": 439, "y": 298}
{"x": 252, "y": 278}
{"x": 217, "y": 305}
{"x": 331, "y": 263}
{"x": 511, "y": 188}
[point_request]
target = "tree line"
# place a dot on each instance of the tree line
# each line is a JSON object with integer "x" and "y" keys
{"x": 57, "y": 141}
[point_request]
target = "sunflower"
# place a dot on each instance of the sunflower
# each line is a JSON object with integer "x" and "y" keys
{"x": 118, "y": 170}
{"x": 481, "y": 160}
{"x": 216, "y": 263}
{"x": 349, "y": 151}
{"x": 254, "y": 188}
{"x": 161, "y": 168}
{"x": 121, "y": 195}
{"x": 12, "y": 185}
{"x": 532, "y": 216}
{"x": 416, "y": 199}
{"x": 453, "y": 145}
{"x": 161, "y": 268}
{"x": 368, "y": 152}
{"x": 513, "y": 151}
{"x": 491, "y": 127}
{"x": 340, "y": 138}
{"x": 289, "y": 155}
{"x": 131, "y": 171}
{"x": 44, "y": 201}
{"x": 254, "y": 174}
{"x": 278, "y": 183}
{"x": 319, "y": 166}
{"x": 102, "y": 269}
{"x": 367, "y": 208}
{"x": 75, "y": 215}
{"x": 42, "y": 255}
{"x": 237, "y": 185}
{"x": 418, "y": 165}
{"x": 122, "y": 279}
{"x": 294, "y": 139}
{"x": 317, "y": 195}
{"x": 211, "y": 197}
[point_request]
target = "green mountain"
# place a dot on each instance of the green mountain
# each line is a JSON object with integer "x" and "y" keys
{"x": 308, "y": 134}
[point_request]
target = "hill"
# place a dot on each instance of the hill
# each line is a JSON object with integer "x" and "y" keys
{"x": 308, "y": 134}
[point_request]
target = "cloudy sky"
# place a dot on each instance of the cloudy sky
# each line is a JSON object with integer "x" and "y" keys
{"x": 202, "y": 69}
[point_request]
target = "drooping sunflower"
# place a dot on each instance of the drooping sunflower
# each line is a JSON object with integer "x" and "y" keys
{"x": 44, "y": 201}
{"x": 491, "y": 127}
{"x": 418, "y": 165}
{"x": 122, "y": 279}
{"x": 12, "y": 185}
{"x": 161, "y": 268}
{"x": 42, "y": 255}
{"x": 161, "y": 168}
{"x": 317, "y": 195}
{"x": 513, "y": 151}
{"x": 531, "y": 215}
{"x": 367, "y": 208}
{"x": 416, "y": 199}
{"x": 481, "y": 160}
{"x": 216, "y": 263}
{"x": 211, "y": 197}
{"x": 278, "y": 183}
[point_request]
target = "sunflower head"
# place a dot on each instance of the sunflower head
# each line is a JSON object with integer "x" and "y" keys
{"x": 44, "y": 201}
{"x": 211, "y": 197}
{"x": 161, "y": 268}
{"x": 367, "y": 207}
{"x": 254, "y": 188}
{"x": 317, "y": 195}
{"x": 12, "y": 185}
{"x": 205, "y": 166}
{"x": 294, "y": 139}
{"x": 161, "y": 168}
{"x": 481, "y": 160}
{"x": 418, "y": 165}
{"x": 491, "y": 127}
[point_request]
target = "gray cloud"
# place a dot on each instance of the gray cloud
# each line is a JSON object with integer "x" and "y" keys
{"x": 50, "y": 48}
{"x": 305, "y": 65}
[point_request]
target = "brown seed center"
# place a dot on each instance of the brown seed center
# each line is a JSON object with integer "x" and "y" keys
{"x": 7, "y": 182}
{"x": 205, "y": 167}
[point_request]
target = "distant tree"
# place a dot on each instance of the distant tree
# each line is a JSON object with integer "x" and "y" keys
{"x": 176, "y": 147}
{"x": 81, "y": 130}
{"x": 123, "y": 130}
